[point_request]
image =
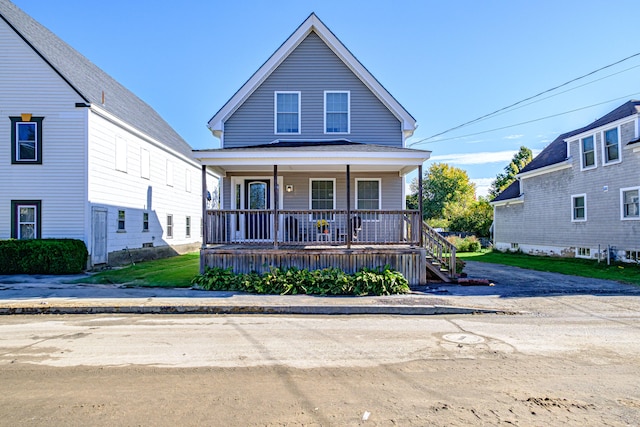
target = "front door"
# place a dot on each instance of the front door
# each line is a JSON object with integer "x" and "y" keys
{"x": 257, "y": 196}
{"x": 99, "y": 243}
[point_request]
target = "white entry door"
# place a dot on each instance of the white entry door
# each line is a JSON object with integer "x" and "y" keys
{"x": 99, "y": 231}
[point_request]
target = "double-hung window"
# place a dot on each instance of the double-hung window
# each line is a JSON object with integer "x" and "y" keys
{"x": 611, "y": 146}
{"x": 336, "y": 112}
{"x": 630, "y": 203}
{"x": 587, "y": 148}
{"x": 579, "y": 207}
{"x": 26, "y": 219}
{"x": 322, "y": 197}
{"x": 368, "y": 197}
{"x": 287, "y": 112}
{"x": 121, "y": 221}
{"x": 169, "y": 226}
{"x": 26, "y": 140}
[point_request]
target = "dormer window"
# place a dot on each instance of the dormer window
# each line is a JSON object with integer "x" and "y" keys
{"x": 287, "y": 112}
{"x": 336, "y": 112}
{"x": 611, "y": 146}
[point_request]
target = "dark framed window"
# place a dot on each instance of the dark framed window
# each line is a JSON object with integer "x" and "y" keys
{"x": 145, "y": 221}
{"x": 26, "y": 140}
{"x": 26, "y": 219}
{"x": 188, "y": 227}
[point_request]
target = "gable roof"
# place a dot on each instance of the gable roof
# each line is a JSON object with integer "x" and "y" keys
{"x": 312, "y": 24}
{"x": 556, "y": 152}
{"x": 89, "y": 81}
{"x": 511, "y": 192}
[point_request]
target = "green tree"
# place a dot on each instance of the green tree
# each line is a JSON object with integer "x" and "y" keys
{"x": 444, "y": 188}
{"x": 521, "y": 159}
{"x": 476, "y": 219}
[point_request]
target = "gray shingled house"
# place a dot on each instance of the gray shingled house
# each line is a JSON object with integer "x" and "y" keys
{"x": 579, "y": 196}
{"x": 313, "y": 165}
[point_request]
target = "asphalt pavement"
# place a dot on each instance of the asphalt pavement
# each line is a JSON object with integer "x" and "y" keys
{"x": 499, "y": 287}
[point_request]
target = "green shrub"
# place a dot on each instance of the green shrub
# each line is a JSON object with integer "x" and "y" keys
{"x": 292, "y": 281}
{"x": 467, "y": 244}
{"x": 42, "y": 256}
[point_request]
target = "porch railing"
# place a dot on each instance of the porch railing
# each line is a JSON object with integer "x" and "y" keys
{"x": 440, "y": 249}
{"x": 312, "y": 227}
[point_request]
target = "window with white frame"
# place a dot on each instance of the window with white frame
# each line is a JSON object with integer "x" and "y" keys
{"x": 26, "y": 219}
{"x": 337, "y": 111}
{"x": 630, "y": 203}
{"x": 121, "y": 221}
{"x": 588, "y": 152}
{"x": 145, "y": 163}
{"x": 611, "y": 146}
{"x": 322, "y": 196}
{"x": 579, "y": 207}
{"x": 169, "y": 226}
{"x": 121, "y": 154}
{"x": 26, "y": 140}
{"x": 583, "y": 252}
{"x": 287, "y": 112}
{"x": 368, "y": 197}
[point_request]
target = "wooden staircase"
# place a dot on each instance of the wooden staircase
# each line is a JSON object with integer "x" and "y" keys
{"x": 441, "y": 255}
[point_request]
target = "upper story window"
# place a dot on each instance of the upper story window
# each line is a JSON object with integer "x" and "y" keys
{"x": 630, "y": 201}
{"x": 26, "y": 140}
{"x": 588, "y": 153}
{"x": 337, "y": 112}
{"x": 579, "y": 207}
{"x": 611, "y": 146}
{"x": 287, "y": 112}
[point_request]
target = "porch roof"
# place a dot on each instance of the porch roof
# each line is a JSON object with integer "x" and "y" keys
{"x": 305, "y": 156}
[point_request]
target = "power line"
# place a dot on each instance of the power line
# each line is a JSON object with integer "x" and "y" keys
{"x": 534, "y": 120}
{"x": 524, "y": 100}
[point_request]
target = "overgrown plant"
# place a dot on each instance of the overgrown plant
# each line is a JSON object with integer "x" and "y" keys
{"x": 292, "y": 281}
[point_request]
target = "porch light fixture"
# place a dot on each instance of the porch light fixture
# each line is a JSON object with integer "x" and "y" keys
{"x": 289, "y": 188}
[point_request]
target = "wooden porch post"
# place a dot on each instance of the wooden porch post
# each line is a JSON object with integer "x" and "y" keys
{"x": 275, "y": 206}
{"x": 420, "y": 205}
{"x": 204, "y": 206}
{"x": 349, "y": 222}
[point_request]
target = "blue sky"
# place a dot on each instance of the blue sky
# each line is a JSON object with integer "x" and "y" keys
{"x": 446, "y": 62}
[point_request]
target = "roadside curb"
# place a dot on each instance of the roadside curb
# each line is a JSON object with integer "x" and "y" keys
{"x": 415, "y": 310}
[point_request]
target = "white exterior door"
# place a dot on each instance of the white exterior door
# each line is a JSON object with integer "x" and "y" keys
{"x": 99, "y": 231}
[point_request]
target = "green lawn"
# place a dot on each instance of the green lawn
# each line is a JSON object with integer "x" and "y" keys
{"x": 174, "y": 272}
{"x": 627, "y": 273}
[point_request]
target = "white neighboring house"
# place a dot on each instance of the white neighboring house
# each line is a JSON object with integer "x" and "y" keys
{"x": 84, "y": 157}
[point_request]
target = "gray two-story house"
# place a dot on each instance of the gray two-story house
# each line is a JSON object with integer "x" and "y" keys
{"x": 313, "y": 165}
{"x": 579, "y": 196}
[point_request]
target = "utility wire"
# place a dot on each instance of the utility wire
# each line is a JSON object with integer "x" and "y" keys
{"x": 535, "y": 120}
{"x": 525, "y": 100}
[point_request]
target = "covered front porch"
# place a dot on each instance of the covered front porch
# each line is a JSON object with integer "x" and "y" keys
{"x": 262, "y": 222}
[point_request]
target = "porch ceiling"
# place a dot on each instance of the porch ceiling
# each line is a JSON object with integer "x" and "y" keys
{"x": 361, "y": 158}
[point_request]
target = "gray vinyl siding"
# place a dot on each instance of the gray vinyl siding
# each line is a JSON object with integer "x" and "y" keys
{"x": 299, "y": 198}
{"x": 545, "y": 218}
{"x": 312, "y": 68}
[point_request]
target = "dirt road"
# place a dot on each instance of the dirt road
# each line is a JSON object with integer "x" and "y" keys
{"x": 577, "y": 367}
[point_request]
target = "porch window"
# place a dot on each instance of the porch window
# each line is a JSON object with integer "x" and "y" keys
{"x": 630, "y": 201}
{"x": 336, "y": 112}
{"x": 588, "y": 152}
{"x": 287, "y": 111}
{"x": 26, "y": 140}
{"x": 368, "y": 196}
{"x": 579, "y": 203}
{"x": 611, "y": 146}
{"x": 26, "y": 219}
{"x": 322, "y": 196}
